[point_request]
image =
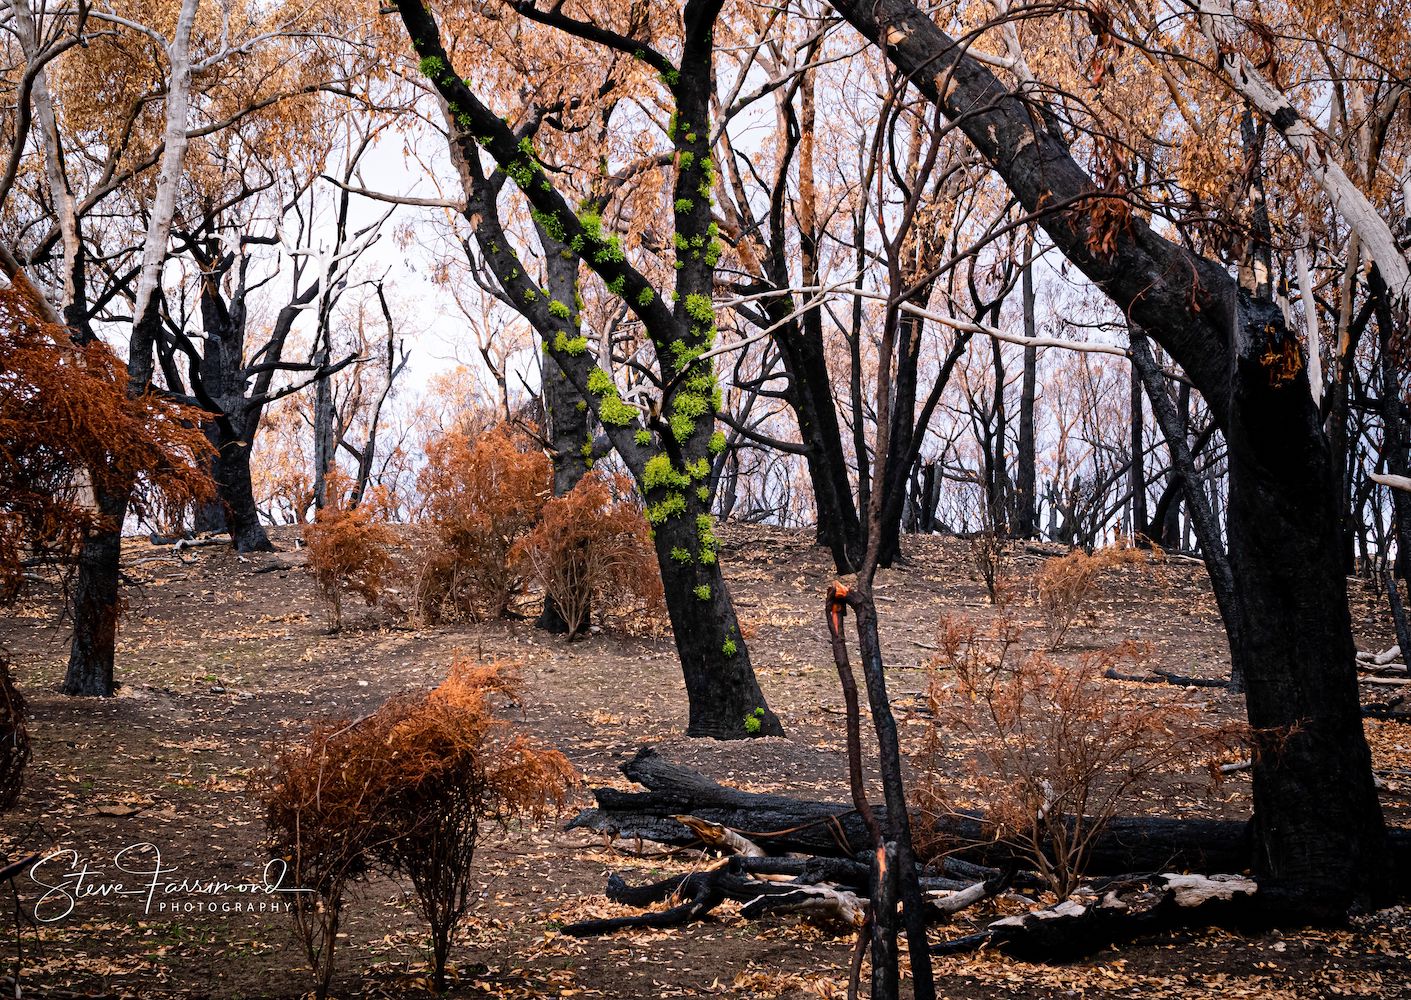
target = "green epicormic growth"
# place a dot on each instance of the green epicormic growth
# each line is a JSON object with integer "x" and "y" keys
{"x": 612, "y": 411}
{"x": 753, "y": 721}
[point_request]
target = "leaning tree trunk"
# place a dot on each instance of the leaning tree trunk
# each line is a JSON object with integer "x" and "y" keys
{"x": 1202, "y": 517}
{"x": 1317, "y": 819}
{"x": 1319, "y": 827}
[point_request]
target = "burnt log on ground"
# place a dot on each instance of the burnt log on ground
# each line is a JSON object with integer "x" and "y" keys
{"x": 833, "y": 878}
{"x": 1114, "y": 914}
{"x": 700, "y": 892}
{"x": 780, "y": 825}
{"x": 1161, "y": 676}
{"x": 783, "y": 825}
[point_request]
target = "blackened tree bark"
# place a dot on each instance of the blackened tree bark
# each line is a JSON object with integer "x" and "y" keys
{"x": 566, "y": 413}
{"x": 234, "y": 384}
{"x": 1138, "y": 470}
{"x": 1207, "y": 527}
{"x": 1025, "y": 472}
{"x": 809, "y": 391}
{"x": 909, "y": 427}
{"x": 896, "y": 470}
{"x": 1396, "y": 420}
{"x": 810, "y": 397}
{"x": 1320, "y": 837}
{"x": 1165, "y": 527}
{"x": 1314, "y": 807}
{"x": 96, "y": 605}
{"x": 997, "y": 479}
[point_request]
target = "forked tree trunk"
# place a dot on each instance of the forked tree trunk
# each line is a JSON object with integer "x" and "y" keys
{"x": 96, "y": 600}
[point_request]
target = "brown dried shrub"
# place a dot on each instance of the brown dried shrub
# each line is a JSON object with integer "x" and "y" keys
{"x": 1067, "y": 583}
{"x": 461, "y": 768}
{"x": 989, "y": 553}
{"x": 1054, "y": 749}
{"x": 593, "y": 548}
{"x": 480, "y": 497}
{"x": 349, "y": 547}
{"x": 407, "y": 789}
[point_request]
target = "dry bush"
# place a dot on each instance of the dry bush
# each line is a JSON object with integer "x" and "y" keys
{"x": 459, "y": 768}
{"x": 321, "y": 798}
{"x": 409, "y": 789}
{"x": 593, "y": 547}
{"x": 990, "y": 555}
{"x": 481, "y": 496}
{"x": 14, "y": 737}
{"x": 1066, "y": 584}
{"x": 1056, "y": 750}
{"x": 349, "y": 547}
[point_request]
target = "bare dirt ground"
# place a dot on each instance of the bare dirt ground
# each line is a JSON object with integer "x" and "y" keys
{"x": 220, "y": 655}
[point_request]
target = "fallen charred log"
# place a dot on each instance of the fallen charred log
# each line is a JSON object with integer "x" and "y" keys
{"x": 702, "y": 891}
{"x": 780, "y": 825}
{"x": 827, "y": 869}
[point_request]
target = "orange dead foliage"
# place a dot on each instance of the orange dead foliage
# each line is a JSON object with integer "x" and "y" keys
{"x": 593, "y": 547}
{"x": 68, "y": 426}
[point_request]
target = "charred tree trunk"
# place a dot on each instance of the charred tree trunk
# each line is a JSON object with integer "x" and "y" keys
{"x": 998, "y": 480}
{"x": 96, "y": 605}
{"x": 837, "y": 830}
{"x": 904, "y": 430}
{"x": 1165, "y": 527}
{"x": 1319, "y": 828}
{"x": 720, "y": 683}
{"x": 566, "y": 412}
{"x": 1207, "y": 528}
{"x": 1396, "y": 437}
{"x": 237, "y": 495}
{"x": 810, "y": 397}
{"x": 325, "y": 436}
{"x": 1138, "y": 469}
{"x": 1317, "y": 818}
{"x": 1025, "y": 473}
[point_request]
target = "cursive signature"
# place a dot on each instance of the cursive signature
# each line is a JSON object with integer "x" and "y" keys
{"x": 68, "y": 879}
